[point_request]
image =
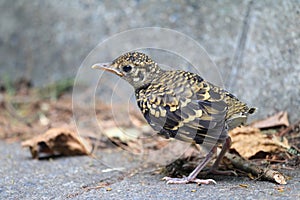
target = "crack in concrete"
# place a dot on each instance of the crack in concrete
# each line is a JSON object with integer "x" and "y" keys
{"x": 239, "y": 52}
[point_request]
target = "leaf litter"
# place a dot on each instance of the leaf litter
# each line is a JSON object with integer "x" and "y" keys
{"x": 27, "y": 115}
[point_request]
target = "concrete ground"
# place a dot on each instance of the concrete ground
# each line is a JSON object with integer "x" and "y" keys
{"x": 75, "y": 177}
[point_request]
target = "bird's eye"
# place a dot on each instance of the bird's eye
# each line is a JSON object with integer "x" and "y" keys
{"x": 127, "y": 68}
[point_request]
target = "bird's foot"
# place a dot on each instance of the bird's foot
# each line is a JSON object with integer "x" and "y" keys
{"x": 220, "y": 172}
{"x": 186, "y": 180}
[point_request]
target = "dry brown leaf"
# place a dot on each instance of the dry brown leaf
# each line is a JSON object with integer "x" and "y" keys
{"x": 279, "y": 119}
{"x": 57, "y": 141}
{"x": 248, "y": 141}
{"x": 244, "y": 185}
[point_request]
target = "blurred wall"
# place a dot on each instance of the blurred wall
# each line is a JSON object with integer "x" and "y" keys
{"x": 255, "y": 44}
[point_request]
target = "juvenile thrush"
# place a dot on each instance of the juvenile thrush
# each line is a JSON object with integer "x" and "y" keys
{"x": 181, "y": 105}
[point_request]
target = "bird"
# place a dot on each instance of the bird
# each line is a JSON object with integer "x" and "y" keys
{"x": 182, "y": 105}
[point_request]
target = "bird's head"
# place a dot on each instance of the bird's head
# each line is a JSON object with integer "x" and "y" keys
{"x": 136, "y": 68}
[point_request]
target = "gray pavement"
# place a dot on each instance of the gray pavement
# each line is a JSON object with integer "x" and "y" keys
{"x": 69, "y": 178}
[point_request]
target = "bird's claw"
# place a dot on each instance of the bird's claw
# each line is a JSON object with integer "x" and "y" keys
{"x": 186, "y": 180}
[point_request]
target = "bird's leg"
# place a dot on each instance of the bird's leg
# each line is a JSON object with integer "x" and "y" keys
{"x": 192, "y": 177}
{"x": 214, "y": 169}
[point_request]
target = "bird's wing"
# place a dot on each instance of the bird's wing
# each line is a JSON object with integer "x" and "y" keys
{"x": 196, "y": 113}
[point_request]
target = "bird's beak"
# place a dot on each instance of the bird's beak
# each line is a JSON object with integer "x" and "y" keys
{"x": 107, "y": 67}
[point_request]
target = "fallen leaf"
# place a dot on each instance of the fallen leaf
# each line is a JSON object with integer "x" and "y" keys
{"x": 132, "y": 139}
{"x": 248, "y": 141}
{"x": 123, "y": 134}
{"x": 57, "y": 141}
{"x": 292, "y": 129}
{"x": 243, "y": 185}
{"x": 279, "y": 119}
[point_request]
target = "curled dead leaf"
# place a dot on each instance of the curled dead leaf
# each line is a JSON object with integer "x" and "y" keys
{"x": 57, "y": 141}
{"x": 279, "y": 119}
{"x": 249, "y": 141}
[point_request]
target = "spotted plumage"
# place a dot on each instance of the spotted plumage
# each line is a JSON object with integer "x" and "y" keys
{"x": 187, "y": 107}
{"x": 181, "y": 104}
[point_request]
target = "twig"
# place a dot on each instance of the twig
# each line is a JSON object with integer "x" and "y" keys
{"x": 261, "y": 172}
